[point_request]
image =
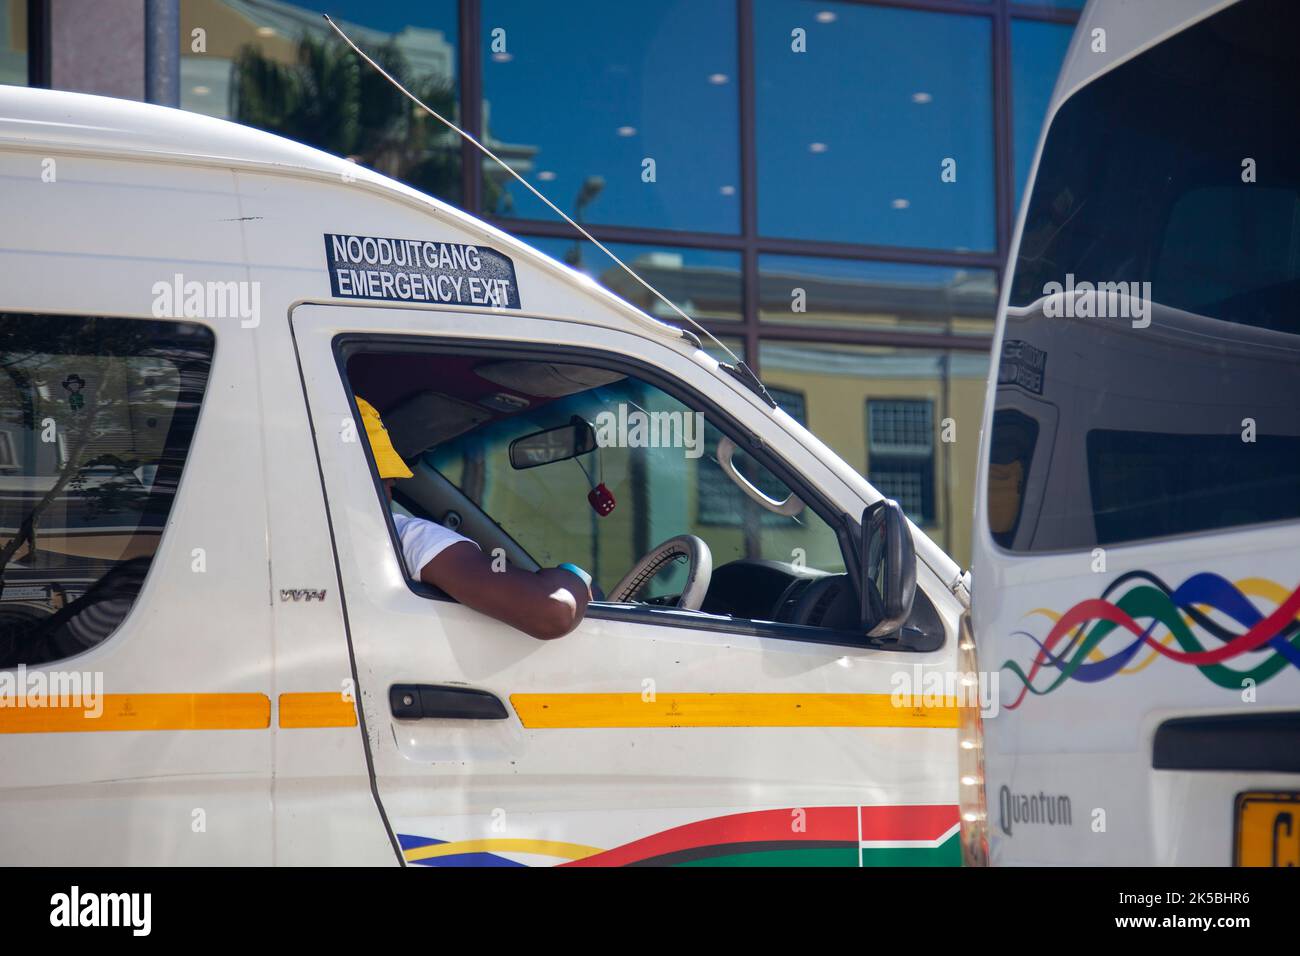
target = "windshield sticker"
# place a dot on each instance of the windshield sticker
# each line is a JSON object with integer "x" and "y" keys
{"x": 1022, "y": 365}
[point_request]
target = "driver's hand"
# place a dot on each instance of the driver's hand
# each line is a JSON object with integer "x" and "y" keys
{"x": 582, "y": 576}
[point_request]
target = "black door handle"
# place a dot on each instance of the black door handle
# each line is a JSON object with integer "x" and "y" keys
{"x": 416, "y": 701}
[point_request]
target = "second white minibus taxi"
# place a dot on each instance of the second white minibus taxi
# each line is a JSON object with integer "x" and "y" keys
{"x": 1137, "y": 550}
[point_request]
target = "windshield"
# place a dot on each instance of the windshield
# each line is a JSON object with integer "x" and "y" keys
{"x": 1147, "y": 385}
{"x": 1180, "y": 168}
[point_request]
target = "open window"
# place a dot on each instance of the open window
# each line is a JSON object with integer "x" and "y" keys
{"x": 552, "y": 457}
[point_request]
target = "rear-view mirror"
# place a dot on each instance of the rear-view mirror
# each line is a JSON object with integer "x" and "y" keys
{"x": 553, "y": 444}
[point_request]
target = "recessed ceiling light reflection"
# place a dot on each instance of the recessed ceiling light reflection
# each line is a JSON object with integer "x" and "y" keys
{"x": 817, "y": 147}
{"x": 546, "y": 175}
{"x": 502, "y": 57}
{"x": 717, "y": 79}
{"x": 728, "y": 190}
{"x": 827, "y": 16}
{"x": 627, "y": 131}
{"x": 921, "y": 97}
{"x": 901, "y": 203}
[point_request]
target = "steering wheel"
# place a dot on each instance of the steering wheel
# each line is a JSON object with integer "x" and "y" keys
{"x": 683, "y": 546}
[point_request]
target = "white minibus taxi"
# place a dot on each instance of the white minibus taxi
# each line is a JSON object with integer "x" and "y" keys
{"x": 1137, "y": 557}
{"x": 210, "y": 651}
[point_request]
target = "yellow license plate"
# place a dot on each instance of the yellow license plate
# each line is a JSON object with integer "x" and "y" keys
{"x": 1268, "y": 829}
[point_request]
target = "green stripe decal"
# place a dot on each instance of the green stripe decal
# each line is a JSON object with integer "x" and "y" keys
{"x": 947, "y": 853}
{"x": 819, "y": 856}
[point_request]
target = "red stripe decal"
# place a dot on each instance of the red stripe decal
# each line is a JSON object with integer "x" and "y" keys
{"x": 811, "y": 823}
{"x": 908, "y": 823}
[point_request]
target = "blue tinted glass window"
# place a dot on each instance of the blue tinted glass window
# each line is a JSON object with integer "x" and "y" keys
{"x": 1054, "y": 4}
{"x": 876, "y": 295}
{"x": 13, "y": 42}
{"x": 621, "y": 114}
{"x": 1037, "y": 50}
{"x": 856, "y": 116}
{"x": 279, "y": 67}
{"x": 704, "y": 283}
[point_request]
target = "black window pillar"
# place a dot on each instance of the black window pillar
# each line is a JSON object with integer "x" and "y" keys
{"x": 38, "y": 43}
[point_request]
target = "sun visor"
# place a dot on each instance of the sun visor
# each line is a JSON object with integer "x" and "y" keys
{"x": 428, "y": 419}
{"x": 546, "y": 379}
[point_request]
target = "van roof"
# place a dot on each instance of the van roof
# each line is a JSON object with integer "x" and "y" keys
{"x": 125, "y": 127}
{"x": 1127, "y": 28}
{"x": 38, "y": 119}
{"x": 81, "y": 122}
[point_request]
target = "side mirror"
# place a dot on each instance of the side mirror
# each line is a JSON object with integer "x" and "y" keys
{"x": 553, "y": 444}
{"x": 888, "y": 568}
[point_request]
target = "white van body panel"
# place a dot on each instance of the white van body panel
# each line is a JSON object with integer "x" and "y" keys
{"x": 1091, "y": 744}
{"x": 65, "y": 264}
{"x": 277, "y": 504}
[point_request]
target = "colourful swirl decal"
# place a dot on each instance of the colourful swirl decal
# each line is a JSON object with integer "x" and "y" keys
{"x": 1173, "y": 621}
{"x": 815, "y": 836}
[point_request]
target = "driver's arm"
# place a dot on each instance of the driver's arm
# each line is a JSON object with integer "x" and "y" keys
{"x": 544, "y": 604}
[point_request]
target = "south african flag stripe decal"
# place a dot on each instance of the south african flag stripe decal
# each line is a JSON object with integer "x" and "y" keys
{"x": 925, "y": 835}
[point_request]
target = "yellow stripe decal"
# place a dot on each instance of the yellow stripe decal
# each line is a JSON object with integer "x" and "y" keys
{"x": 538, "y": 711}
{"x": 140, "y": 712}
{"x": 330, "y": 709}
{"x": 566, "y": 851}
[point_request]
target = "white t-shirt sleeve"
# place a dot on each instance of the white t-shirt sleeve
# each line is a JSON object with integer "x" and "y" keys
{"x": 422, "y": 541}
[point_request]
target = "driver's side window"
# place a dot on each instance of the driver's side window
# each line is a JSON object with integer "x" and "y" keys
{"x": 506, "y": 434}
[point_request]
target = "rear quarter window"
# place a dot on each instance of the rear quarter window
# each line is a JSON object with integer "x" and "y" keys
{"x": 97, "y": 416}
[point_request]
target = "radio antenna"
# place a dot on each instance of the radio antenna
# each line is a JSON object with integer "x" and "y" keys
{"x": 740, "y": 370}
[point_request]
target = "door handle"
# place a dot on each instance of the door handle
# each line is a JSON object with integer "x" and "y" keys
{"x": 419, "y": 701}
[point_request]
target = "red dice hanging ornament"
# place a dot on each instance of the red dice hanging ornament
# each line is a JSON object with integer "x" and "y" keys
{"x": 601, "y": 499}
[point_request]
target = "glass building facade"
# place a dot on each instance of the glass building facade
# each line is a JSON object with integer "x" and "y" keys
{"x": 13, "y": 42}
{"x": 828, "y": 185}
